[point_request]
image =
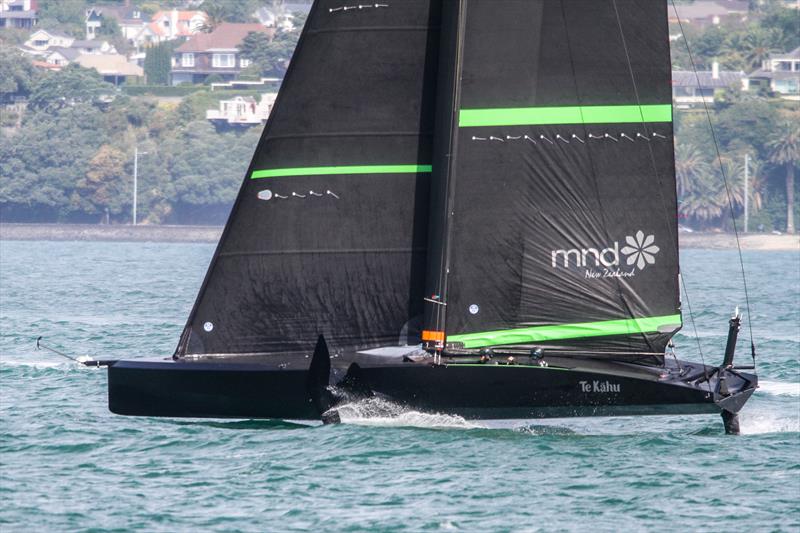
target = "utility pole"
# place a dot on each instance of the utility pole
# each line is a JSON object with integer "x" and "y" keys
{"x": 136, "y": 154}
{"x": 746, "y": 191}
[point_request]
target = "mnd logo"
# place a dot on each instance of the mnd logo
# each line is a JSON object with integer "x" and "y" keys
{"x": 639, "y": 252}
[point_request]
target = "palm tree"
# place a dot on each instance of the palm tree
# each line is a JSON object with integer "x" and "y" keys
{"x": 758, "y": 45}
{"x": 690, "y": 166}
{"x": 215, "y": 15}
{"x": 785, "y": 151}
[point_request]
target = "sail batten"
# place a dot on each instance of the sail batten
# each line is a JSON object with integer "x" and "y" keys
{"x": 536, "y": 116}
{"x": 582, "y": 330}
{"x": 340, "y": 169}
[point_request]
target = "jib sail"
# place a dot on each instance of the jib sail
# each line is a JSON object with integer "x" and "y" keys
{"x": 328, "y": 233}
{"x": 557, "y": 220}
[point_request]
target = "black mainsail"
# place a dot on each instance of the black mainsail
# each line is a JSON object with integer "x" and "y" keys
{"x": 558, "y": 212}
{"x": 328, "y": 233}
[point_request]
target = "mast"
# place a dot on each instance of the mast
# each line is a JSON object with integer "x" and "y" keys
{"x": 445, "y": 146}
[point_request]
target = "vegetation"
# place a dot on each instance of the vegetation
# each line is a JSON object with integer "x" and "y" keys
{"x": 157, "y": 63}
{"x": 71, "y": 157}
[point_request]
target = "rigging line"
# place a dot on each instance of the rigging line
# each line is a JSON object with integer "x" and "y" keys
{"x": 727, "y": 188}
{"x": 673, "y": 236}
{"x": 696, "y": 334}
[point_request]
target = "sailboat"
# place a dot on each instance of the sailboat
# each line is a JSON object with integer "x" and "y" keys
{"x": 461, "y": 206}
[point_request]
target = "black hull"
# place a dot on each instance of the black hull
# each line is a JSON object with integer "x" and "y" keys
{"x": 474, "y": 391}
{"x": 209, "y": 390}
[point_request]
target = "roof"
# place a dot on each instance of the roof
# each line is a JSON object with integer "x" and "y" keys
{"x": 182, "y": 15}
{"x": 794, "y": 54}
{"x": 68, "y": 53}
{"x": 709, "y": 8}
{"x": 17, "y": 14}
{"x": 52, "y": 34}
{"x": 227, "y": 35}
{"x": 704, "y": 78}
{"x": 774, "y": 74}
{"x": 92, "y": 44}
{"x": 121, "y": 13}
{"x": 109, "y": 64}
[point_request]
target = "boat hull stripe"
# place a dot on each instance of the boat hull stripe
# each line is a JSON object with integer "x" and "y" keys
{"x": 629, "y": 326}
{"x": 535, "y": 116}
{"x": 348, "y": 169}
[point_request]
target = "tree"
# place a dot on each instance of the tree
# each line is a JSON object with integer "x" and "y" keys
{"x": 106, "y": 184}
{"x": 785, "y": 151}
{"x": 63, "y": 15}
{"x": 17, "y": 73}
{"x": 70, "y": 86}
{"x": 158, "y": 63}
{"x": 690, "y": 166}
{"x": 220, "y": 11}
{"x": 270, "y": 57}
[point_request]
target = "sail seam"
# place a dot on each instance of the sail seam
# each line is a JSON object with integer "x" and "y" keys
{"x": 581, "y": 330}
{"x": 371, "y": 28}
{"x": 337, "y": 170}
{"x": 535, "y": 116}
{"x": 352, "y": 134}
{"x": 327, "y": 251}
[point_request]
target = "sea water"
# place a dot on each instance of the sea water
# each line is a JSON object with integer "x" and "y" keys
{"x": 68, "y": 464}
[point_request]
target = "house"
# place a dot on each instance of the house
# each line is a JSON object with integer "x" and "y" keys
{"x": 114, "y": 68}
{"x": 18, "y": 14}
{"x": 243, "y": 110}
{"x": 93, "y": 47}
{"x": 779, "y": 74}
{"x": 704, "y": 13}
{"x": 217, "y": 53}
{"x": 130, "y": 20}
{"x": 280, "y": 15}
{"x": 169, "y": 25}
{"x": 59, "y": 56}
{"x": 41, "y": 40}
{"x": 57, "y": 49}
{"x": 94, "y": 20}
{"x": 691, "y": 89}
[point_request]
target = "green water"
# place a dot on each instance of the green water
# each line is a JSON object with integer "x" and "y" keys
{"x": 67, "y": 464}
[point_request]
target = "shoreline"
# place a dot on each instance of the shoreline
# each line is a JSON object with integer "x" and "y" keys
{"x": 211, "y": 234}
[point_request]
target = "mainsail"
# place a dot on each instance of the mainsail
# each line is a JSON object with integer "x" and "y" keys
{"x": 328, "y": 233}
{"x": 556, "y": 220}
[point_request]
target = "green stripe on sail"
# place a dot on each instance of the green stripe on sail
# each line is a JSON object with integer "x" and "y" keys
{"x": 534, "y": 116}
{"x": 568, "y": 331}
{"x": 349, "y": 169}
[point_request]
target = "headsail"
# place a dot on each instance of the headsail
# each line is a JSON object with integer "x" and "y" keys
{"x": 328, "y": 233}
{"x": 559, "y": 216}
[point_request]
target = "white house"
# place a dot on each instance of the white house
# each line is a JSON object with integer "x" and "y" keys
{"x": 779, "y": 74}
{"x": 18, "y": 14}
{"x": 243, "y": 110}
{"x": 41, "y": 40}
{"x": 690, "y": 89}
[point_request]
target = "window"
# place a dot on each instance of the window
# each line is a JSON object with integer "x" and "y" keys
{"x": 187, "y": 60}
{"x": 223, "y": 61}
{"x": 40, "y": 42}
{"x": 244, "y": 63}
